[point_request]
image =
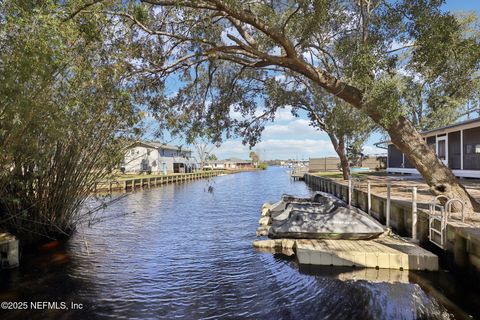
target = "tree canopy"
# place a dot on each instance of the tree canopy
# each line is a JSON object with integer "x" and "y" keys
{"x": 357, "y": 51}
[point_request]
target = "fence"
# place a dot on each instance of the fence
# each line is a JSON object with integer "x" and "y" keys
{"x": 333, "y": 163}
{"x": 461, "y": 247}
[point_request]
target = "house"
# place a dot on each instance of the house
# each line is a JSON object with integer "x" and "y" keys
{"x": 215, "y": 165}
{"x": 156, "y": 157}
{"x": 229, "y": 164}
{"x": 458, "y": 146}
{"x": 236, "y": 163}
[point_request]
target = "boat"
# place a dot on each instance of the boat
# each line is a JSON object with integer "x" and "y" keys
{"x": 320, "y": 216}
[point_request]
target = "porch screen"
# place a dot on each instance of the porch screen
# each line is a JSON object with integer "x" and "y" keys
{"x": 454, "y": 149}
{"x": 395, "y": 157}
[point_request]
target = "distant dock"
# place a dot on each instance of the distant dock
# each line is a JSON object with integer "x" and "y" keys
{"x": 298, "y": 173}
{"x": 154, "y": 181}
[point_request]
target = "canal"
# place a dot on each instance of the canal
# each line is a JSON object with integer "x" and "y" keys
{"x": 185, "y": 251}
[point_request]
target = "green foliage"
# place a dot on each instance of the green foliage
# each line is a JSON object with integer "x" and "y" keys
{"x": 255, "y": 158}
{"x": 384, "y": 98}
{"x": 263, "y": 166}
{"x": 443, "y": 69}
{"x": 212, "y": 157}
{"x": 64, "y": 114}
{"x": 226, "y": 57}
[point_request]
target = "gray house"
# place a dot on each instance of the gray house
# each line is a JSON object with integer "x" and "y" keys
{"x": 156, "y": 157}
{"x": 458, "y": 146}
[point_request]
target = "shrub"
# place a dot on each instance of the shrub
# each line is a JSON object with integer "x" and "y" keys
{"x": 263, "y": 166}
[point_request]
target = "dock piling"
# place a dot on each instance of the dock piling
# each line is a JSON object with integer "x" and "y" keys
{"x": 9, "y": 254}
{"x": 414, "y": 214}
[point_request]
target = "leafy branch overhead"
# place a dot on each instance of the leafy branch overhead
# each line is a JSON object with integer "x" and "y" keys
{"x": 361, "y": 52}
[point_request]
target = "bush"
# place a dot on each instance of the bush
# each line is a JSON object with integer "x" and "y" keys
{"x": 263, "y": 166}
{"x": 65, "y": 115}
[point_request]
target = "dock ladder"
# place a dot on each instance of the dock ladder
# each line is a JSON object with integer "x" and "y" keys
{"x": 438, "y": 219}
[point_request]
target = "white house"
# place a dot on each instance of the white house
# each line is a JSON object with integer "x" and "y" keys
{"x": 156, "y": 157}
{"x": 230, "y": 163}
{"x": 215, "y": 165}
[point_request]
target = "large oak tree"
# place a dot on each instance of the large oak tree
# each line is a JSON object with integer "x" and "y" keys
{"x": 353, "y": 50}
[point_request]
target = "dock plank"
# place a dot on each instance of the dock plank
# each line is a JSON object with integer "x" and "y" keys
{"x": 383, "y": 253}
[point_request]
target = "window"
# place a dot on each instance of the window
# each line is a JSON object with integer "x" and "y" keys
{"x": 472, "y": 149}
{"x": 154, "y": 163}
{"x": 441, "y": 149}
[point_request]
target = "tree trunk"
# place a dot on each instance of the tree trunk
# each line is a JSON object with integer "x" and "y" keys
{"x": 339, "y": 146}
{"x": 405, "y": 137}
{"x": 438, "y": 176}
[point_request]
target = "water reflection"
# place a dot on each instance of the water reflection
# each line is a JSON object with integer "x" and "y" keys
{"x": 182, "y": 252}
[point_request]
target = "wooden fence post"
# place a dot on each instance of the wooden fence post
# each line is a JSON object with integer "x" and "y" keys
{"x": 414, "y": 214}
{"x": 389, "y": 192}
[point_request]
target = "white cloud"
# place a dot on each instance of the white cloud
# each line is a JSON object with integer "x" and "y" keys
{"x": 284, "y": 114}
{"x": 298, "y": 128}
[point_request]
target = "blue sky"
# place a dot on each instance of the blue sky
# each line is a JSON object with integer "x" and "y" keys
{"x": 292, "y": 138}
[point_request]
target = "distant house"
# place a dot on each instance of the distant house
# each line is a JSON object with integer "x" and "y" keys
{"x": 458, "y": 146}
{"x": 236, "y": 163}
{"x": 215, "y": 165}
{"x": 155, "y": 157}
{"x": 229, "y": 164}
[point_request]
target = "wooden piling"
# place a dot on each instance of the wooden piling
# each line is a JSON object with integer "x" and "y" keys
{"x": 9, "y": 257}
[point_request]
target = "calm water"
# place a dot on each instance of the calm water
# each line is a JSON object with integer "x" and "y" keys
{"x": 182, "y": 252}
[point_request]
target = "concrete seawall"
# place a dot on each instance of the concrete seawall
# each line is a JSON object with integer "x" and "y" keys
{"x": 462, "y": 248}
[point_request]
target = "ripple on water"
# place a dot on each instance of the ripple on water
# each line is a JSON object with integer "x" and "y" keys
{"x": 181, "y": 252}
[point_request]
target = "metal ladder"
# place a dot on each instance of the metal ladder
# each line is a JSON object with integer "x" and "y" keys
{"x": 438, "y": 219}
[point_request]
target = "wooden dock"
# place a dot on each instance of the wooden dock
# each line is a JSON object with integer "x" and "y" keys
{"x": 154, "y": 181}
{"x": 299, "y": 173}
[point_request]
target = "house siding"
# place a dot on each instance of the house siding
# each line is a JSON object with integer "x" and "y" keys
{"x": 142, "y": 158}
